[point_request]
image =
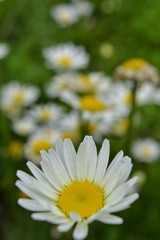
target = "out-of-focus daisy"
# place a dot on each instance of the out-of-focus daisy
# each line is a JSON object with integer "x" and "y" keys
{"x": 45, "y": 113}
{"x": 65, "y": 14}
{"x": 23, "y": 126}
{"x": 73, "y": 83}
{"x": 4, "y": 50}
{"x": 15, "y": 95}
{"x": 15, "y": 149}
{"x": 76, "y": 188}
{"x": 39, "y": 140}
{"x": 146, "y": 150}
{"x": 66, "y": 56}
{"x": 145, "y": 93}
{"x": 141, "y": 178}
{"x": 120, "y": 127}
{"x": 138, "y": 70}
{"x": 84, "y": 8}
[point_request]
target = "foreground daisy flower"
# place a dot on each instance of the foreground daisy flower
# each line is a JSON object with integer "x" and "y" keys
{"x": 138, "y": 70}
{"x": 74, "y": 189}
{"x": 66, "y": 56}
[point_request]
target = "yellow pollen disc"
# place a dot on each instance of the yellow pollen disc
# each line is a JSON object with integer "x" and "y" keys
{"x": 84, "y": 198}
{"x": 65, "y": 61}
{"x": 128, "y": 98}
{"x": 15, "y": 149}
{"x": 19, "y": 98}
{"x": 41, "y": 144}
{"x": 135, "y": 64}
{"x": 45, "y": 115}
{"x": 91, "y": 103}
{"x": 146, "y": 152}
{"x": 73, "y": 135}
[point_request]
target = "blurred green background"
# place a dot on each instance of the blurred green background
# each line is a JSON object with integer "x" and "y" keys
{"x": 128, "y": 29}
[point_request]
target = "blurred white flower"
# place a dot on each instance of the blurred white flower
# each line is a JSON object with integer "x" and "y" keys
{"x": 145, "y": 93}
{"x": 41, "y": 139}
{"x": 4, "y": 50}
{"x": 146, "y": 150}
{"x": 65, "y": 14}
{"x": 138, "y": 70}
{"x": 73, "y": 189}
{"x": 45, "y": 113}
{"x": 23, "y": 126}
{"x": 66, "y": 57}
{"x": 84, "y": 8}
{"x": 14, "y": 96}
{"x": 74, "y": 83}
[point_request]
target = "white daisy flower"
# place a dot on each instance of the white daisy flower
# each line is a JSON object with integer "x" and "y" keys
{"x": 44, "y": 139}
{"x": 84, "y": 8}
{"x": 23, "y": 126}
{"x": 138, "y": 70}
{"x": 45, "y": 113}
{"x": 4, "y": 50}
{"x": 145, "y": 93}
{"x": 146, "y": 150}
{"x": 15, "y": 96}
{"x": 74, "y": 189}
{"x": 74, "y": 83}
{"x": 66, "y": 56}
{"x": 65, "y": 14}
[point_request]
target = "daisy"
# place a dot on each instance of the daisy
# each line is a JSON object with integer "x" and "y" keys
{"x": 14, "y": 96}
{"x": 65, "y": 14}
{"x": 146, "y": 150}
{"x": 23, "y": 126}
{"x": 66, "y": 57}
{"x": 4, "y": 50}
{"x": 44, "y": 139}
{"x": 75, "y": 188}
{"x": 84, "y": 8}
{"x": 145, "y": 93}
{"x": 138, "y": 70}
{"x": 74, "y": 83}
{"x": 45, "y": 113}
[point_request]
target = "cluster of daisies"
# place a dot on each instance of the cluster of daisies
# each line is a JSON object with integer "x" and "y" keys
{"x": 66, "y": 14}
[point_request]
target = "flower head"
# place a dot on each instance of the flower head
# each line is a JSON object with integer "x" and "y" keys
{"x": 66, "y": 57}
{"x": 146, "y": 150}
{"x": 138, "y": 70}
{"x": 76, "y": 188}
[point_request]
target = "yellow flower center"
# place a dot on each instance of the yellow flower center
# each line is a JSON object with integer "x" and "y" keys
{"x": 85, "y": 79}
{"x": 15, "y": 149}
{"x": 19, "y": 98}
{"x": 91, "y": 103}
{"x": 84, "y": 198}
{"x": 41, "y": 144}
{"x": 146, "y": 152}
{"x": 135, "y": 64}
{"x": 73, "y": 135}
{"x": 45, "y": 115}
{"x": 65, "y": 61}
{"x": 128, "y": 98}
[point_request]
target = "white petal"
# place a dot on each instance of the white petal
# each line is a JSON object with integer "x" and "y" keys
{"x": 103, "y": 158}
{"x": 25, "y": 177}
{"x": 118, "y": 194}
{"x": 81, "y": 231}
{"x": 31, "y": 205}
{"x": 50, "y": 172}
{"x": 59, "y": 167}
{"x": 75, "y": 216}
{"x": 92, "y": 159}
{"x": 70, "y": 158}
{"x": 36, "y": 172}
{"x": 49, "y": 217}
{"x": 124, "y": 203}
{"x": 66, "y": 226}
{"x": 110, "y": 219}
{"x": 59, "y": 148}
{"x": 82, "y": 162}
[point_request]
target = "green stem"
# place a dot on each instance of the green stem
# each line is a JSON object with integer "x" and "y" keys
{"x": 131, "y": 120}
